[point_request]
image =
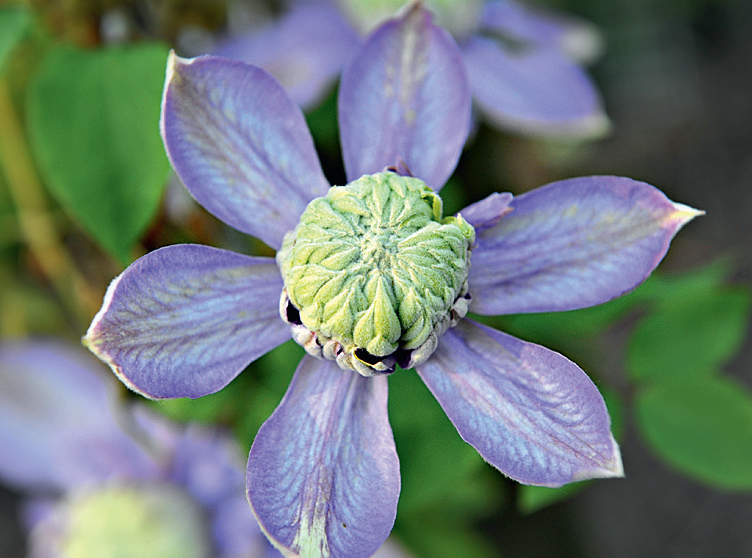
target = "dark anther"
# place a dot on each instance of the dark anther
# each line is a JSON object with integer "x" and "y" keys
{"x": 292, "y": 314}
{"x": 368, "y": 358}
{"x": 387, "y": 362}
{"x": 403, "y": 357}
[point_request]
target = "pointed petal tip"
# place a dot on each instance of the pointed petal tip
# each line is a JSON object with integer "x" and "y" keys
{"x": 595, "y": 126}
{"x": 92, "y": 343}
{"x": 614, "y": 468}
{"x": 173, "y": 64}
{"x": 683, "y": 214}
{"x": 89, "y": 341}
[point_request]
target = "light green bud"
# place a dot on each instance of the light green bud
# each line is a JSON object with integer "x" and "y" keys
{"x": 459, "y": 17}
{"x": 374, "y": 271}
{"x": 133, "y": 522}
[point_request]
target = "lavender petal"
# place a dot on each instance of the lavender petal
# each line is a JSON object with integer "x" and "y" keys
{"x": 405, "y": 97}
{"x": 323, "y": 475}
{"x": 529, "y": 412}
{"x": 487, "y": 212}
{"x": 573, "y": 244}
{"x": 57, "y": 425}
{"x": 534, "y": 91}
{"x": 184, "y": 320}
{"x": 239, "y": 145}
{"x": 305, "y": 50}
{"x": 577, "y": 38}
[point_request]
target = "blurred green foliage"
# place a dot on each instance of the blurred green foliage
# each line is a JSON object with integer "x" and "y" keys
{"x": 92, "y": 118}
{"x": 702, "y": 426}
{"x": 14, "y": 21}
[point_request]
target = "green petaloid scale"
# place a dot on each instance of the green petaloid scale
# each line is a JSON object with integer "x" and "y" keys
{"x": 374, "y": 275}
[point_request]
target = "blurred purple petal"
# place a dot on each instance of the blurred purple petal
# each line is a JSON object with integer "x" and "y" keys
{"x": 528, "y": 411}
{"x": 487, "y": 212}
{"x": 535, "y": 91}
{"x": 56, "y": 421}
{"x": 236, "y": 531}
{"x": 573, "y": 244}
{"x": 305, "y": 51}
{"x": 404, "y": 96}
{"x": 323, "y": 475}
{"x": 208, "y": 465}
{"x": 240, "y": 145}
{"x": 184, "y": 320}
{"x": 574, "y": 37}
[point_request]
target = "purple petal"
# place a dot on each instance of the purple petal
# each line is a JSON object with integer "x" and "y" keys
{"x": 573, "y": 244}
{"x": 528, "y": 411}
{"x": 305, "y": 51}
{"x": 239, "y": 145}
{"x": 184, "y": 320}
{"x": 56, "y": 423}
{"x": 575, "y": 37}
{"x": 534, "y": 91}
{"x": 236, "y": 531}
{"x": 487, "y": 212}
{"x": 405, "y": 96}
{"x": 208, "y": 465}
{"x": 323, "y": 475}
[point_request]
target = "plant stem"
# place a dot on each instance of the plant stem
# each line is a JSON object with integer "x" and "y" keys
{"x": 36, "y": 225}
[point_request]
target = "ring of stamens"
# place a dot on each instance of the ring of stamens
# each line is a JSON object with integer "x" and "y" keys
{"x": 374, "y": 275}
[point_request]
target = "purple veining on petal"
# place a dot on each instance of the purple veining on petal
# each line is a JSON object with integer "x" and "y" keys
{"x": 184, "y": 320}
{"x": 528, "y": 411}
{"x": 535, "y": 91}
{"x": 240, "y": 145}
{"x": 573, "y": 244}
{"x": 323, "y": 475}
{"x": 305, "y": 50}
{"x": 405, "y": 95}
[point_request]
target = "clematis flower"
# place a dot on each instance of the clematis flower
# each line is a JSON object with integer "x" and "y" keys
{"x": 101, "y": 479}
{"x": 370, "y": 276}
{"x": 525, "y": 64}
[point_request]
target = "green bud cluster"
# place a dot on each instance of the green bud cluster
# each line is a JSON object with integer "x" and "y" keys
{"x": 374, "y": 266}
{"x": 133, "y": 521}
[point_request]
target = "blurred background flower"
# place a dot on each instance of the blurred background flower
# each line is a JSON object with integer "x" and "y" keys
{"x": 523, "y": 62}
{"x": 101, "y": 479}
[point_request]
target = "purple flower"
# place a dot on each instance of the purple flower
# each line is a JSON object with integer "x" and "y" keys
{"x": 524, "y": 64}
{"x": 323, "y": 474}
{"x": 65, "y": 446}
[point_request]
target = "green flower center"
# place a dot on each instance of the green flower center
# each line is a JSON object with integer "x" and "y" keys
{"x": 373, "y": 273}
{"x": 133, "y": 522}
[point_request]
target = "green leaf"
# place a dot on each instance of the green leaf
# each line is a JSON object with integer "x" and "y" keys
{"x": 428, "y": 536}
{"x": 550, "y": 327}
{"x": 691, "y": 336}
{"x": 702, "y": 427}
{"x": 14, "y": 20}
{"x": 533, "y": 498}
{"x": 438, "y": 468}
{"x": 93, "y": 119}
{"x": 678, "y": 288}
